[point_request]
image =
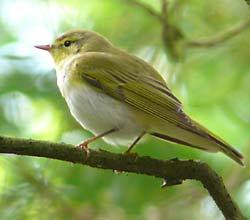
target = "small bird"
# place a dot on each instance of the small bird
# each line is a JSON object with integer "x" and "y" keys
{"x": 120, "y": 97}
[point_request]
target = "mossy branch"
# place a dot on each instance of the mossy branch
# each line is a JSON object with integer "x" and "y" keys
{"x": 172, "y": 171}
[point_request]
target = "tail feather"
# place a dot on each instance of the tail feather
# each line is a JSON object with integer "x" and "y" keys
{"x": 223, "y": 146}
{"x": 178, "y": 141}
{"x": 197, "y": 136}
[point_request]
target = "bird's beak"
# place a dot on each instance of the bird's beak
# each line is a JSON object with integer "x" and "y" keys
{"x": 43, "y": 47}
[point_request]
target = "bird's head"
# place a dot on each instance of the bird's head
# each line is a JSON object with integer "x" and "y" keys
{"x": 74, "y": 42}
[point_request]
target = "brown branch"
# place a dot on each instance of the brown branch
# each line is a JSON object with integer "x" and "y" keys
{"x": 173, "y": 171}
{"x": 220, "y": 38}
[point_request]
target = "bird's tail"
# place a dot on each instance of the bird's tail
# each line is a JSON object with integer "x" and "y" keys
{"x": 197, "y": 136}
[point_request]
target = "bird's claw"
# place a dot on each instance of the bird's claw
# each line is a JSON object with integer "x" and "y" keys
{"x": 84, "y": 147}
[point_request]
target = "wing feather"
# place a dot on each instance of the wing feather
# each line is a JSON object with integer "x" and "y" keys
{"x": 133, "y": 84}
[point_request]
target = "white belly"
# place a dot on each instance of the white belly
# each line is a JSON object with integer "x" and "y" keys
{"x": 99, "y": 113}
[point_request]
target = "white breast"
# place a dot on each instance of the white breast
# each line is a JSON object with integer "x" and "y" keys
{"x": 99, "y": 112}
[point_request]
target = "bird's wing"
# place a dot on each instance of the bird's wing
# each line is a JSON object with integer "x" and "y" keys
{"x": 125, "y": 81}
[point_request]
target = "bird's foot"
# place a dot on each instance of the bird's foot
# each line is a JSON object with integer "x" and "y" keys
{"x": 84, "y": 147}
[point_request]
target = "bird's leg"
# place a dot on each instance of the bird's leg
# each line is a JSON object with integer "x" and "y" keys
{"x": 130, "y": 148}
{"x": 135, "y": 142}
{"x": 84, "y": 144}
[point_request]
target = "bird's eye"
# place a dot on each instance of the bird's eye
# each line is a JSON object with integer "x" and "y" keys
{"x": 67, "y": 43}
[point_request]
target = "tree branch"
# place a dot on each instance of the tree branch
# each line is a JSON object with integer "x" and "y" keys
{"x": 146, "y": 8}
{"x": 220, "y": 38}
{"x": 173, "y": 171}
{"x": 172, "y": 35}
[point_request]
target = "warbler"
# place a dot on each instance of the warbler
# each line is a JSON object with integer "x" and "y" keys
{"x": 120, "y": 97}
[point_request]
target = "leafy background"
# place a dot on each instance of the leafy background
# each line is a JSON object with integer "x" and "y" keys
{"x": 213, "y": 84}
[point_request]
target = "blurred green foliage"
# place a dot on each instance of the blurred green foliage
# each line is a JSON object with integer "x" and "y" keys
{"x": 213, "y": 84}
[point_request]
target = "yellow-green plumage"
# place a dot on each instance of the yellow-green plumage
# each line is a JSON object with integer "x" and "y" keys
{"x": 105, "y": 87}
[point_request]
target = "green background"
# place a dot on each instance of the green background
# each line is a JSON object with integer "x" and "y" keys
{"x": 213, "y": 84}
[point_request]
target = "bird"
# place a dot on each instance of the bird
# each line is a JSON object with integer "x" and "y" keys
{"x": 119, "y": 97}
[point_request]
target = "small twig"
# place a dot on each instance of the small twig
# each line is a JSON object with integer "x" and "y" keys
{"x": 146, "y": 8}
{"x": 173, "y": 171}
{"x": 220, "y": 38}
